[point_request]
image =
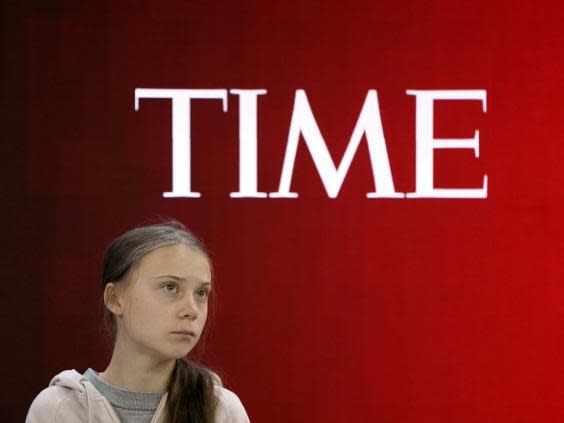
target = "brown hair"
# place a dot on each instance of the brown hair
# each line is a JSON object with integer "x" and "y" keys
{"x": 191, "y": 396}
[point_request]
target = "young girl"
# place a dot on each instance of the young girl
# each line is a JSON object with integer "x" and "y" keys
{"x": 156, "y": 284}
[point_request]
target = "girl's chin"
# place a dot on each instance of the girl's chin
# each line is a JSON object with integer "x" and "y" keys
{"x": 172, "y": 354}
{"x": 179, "y": 353}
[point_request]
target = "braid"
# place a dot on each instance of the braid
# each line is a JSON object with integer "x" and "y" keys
{"x": 191, "y": 396}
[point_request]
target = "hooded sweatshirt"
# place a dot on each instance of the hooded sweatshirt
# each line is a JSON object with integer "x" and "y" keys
{"x": 72, "y": 398}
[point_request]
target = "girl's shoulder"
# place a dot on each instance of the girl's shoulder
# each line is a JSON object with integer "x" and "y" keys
{"x": 69, "y": 397}
{"x": 229, "y": 407}
{"x": 48, "y": 403}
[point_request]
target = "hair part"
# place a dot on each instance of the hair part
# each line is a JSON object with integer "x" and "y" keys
{"x": 191, "y": 396}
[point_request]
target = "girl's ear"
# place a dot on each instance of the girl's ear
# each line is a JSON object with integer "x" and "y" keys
{"x": 112, "y": 299}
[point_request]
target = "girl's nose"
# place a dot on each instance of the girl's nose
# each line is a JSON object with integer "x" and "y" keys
{"x": 189, "y": 309}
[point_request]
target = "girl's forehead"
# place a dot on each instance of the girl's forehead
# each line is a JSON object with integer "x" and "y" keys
{"x": 178, "y": 260}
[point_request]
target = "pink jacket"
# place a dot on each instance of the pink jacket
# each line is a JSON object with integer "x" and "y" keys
{"x": 70, "y": 397}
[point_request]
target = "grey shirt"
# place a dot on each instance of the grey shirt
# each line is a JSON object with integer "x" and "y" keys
{"x": 130, "y": 406}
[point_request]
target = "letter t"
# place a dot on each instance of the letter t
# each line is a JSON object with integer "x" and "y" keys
{"x": 181, "y": 175}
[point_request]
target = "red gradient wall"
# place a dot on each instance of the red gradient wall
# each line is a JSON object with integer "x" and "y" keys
{"x": 330, "y": 310}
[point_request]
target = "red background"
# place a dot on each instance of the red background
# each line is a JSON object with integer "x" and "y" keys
{"x": 330, "y": 310}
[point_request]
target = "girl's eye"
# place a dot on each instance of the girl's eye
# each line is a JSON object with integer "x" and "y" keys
{"x": 170, "y": 287}
{"x": 202, "y": 293}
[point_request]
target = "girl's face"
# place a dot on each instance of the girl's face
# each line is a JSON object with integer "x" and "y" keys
{"x": 165, "y": 294}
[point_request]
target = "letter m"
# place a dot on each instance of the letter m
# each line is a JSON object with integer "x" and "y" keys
{"x": 368, "y": 123}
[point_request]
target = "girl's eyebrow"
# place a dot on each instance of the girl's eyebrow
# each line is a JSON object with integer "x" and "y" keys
{"x": 178, "y": 278}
